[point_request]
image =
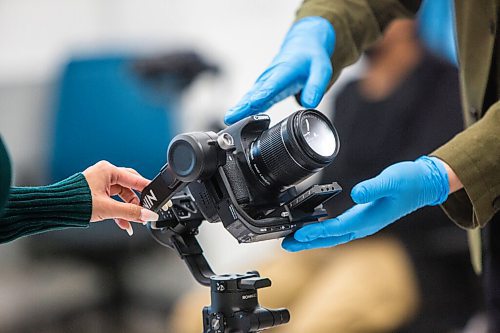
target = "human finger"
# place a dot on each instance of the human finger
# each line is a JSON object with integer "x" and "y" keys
{"x": 292, "y": 245}
{"x": 125, "y": 225}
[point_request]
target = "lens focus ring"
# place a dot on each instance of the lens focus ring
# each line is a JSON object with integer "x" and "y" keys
{"x": 279, "y": 166}
{"x": 284, "y": 155}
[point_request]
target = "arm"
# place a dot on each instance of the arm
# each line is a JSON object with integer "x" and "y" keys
{"x": 465, "y": 172}
{"x": 357, "y": 24}
{"x": 327, "y": 36}
{"x": 32, "y": 210}
{"x": 76, "y": 201}
{"x": 455, "y": 183}
{"x": 474, "y": 156}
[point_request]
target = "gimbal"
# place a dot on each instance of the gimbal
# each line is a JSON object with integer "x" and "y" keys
{"x": 242, "y": 177}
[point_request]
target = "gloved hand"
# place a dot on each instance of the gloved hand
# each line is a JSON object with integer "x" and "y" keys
{"x": 399, "y": 190}
{"x": 303, "y": 63}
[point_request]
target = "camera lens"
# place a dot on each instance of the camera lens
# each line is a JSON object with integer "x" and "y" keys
{"x": 317, "y": 134}
{"x": 293, "y": 149}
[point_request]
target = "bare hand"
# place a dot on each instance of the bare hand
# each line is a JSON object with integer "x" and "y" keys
{"x": 106, "y": 180}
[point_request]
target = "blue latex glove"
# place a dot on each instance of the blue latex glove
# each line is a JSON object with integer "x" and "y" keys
{"x": 303, "y": 63}
{"x": 399, "y": 190}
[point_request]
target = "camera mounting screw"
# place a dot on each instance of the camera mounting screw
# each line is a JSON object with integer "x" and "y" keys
{"x": 225, "y": 141}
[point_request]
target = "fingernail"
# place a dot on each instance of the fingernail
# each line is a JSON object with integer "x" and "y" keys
{"x": 144, "y": 223}
{"x": 129, "y": 230}
{"x": 237, "y": 108}
{"x": 235, "y": 114}
{"x": 261, "y": 95}
{"x": 148, "y": 215}
{"x": 358, "y": 194}
{"x": 305, "y": 235}
{"x": 306, "y": 238}
{"x": 231, "y": 118}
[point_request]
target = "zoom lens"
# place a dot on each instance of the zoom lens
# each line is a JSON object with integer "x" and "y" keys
{"x": 293, "y": 149}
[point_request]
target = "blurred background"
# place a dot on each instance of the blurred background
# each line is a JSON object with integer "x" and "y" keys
{"x": 86, "y": 80}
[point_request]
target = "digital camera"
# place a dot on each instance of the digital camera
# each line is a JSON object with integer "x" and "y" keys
{"x": 244, "y": 176}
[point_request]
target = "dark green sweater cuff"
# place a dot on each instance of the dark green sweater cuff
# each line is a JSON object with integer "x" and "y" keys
{"x": 32, "y": 210}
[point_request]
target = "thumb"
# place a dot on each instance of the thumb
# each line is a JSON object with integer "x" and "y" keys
{"x": 372, "y": 189}
{"x": 128, "y": 211}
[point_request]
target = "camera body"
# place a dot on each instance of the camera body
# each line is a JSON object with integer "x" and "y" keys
{"x": 242, "y": 177}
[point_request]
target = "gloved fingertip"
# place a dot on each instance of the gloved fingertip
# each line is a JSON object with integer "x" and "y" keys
{"x": 359, "y": 194}
{"x": 231, "y": 118}
{"x": 305, "y": 235}
{"x": 288, "y": 244}
{"x": 294, "y": 248}
{"x": 237, "y": 113}
{"x": 261, "y": 94}
{"x": 289, "y": 248}
{"x": 310, "y": 99}
{"x": 228, "y": 119}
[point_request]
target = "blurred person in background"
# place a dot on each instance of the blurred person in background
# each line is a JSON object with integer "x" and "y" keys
{"x": 337, "y": 290}
{"x": 462, "y": 175}
{"x": 73, "y": 202}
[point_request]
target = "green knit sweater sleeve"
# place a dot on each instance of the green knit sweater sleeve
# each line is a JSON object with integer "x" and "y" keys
{"x": 32, "y": 210}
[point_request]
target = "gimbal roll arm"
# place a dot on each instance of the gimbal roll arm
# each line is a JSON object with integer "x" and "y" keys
{"x": 187, "y": 247}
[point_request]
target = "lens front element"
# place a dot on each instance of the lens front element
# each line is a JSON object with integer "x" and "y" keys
{"x": 318, "y": 135}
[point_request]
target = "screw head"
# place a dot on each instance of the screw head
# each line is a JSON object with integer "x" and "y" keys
{"x": 225, "y": 141}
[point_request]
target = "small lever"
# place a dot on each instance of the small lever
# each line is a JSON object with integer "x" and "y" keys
{"x": 254, "y": 283}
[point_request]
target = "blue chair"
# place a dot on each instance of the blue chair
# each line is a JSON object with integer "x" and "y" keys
{"x": 105, "y": 110}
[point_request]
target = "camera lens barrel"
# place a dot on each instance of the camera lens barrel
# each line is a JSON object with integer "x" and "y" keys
{"x": 293, "y": 149}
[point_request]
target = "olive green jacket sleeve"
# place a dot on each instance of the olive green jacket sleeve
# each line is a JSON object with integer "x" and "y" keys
{"x": 357, "y": 24}
{"x": 474, "y": 155}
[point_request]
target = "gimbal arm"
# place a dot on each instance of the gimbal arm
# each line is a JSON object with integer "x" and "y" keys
{"x": 187, "y": 247}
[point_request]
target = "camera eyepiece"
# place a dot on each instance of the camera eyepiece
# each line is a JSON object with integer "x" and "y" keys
{"x": 294, "y": 149}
